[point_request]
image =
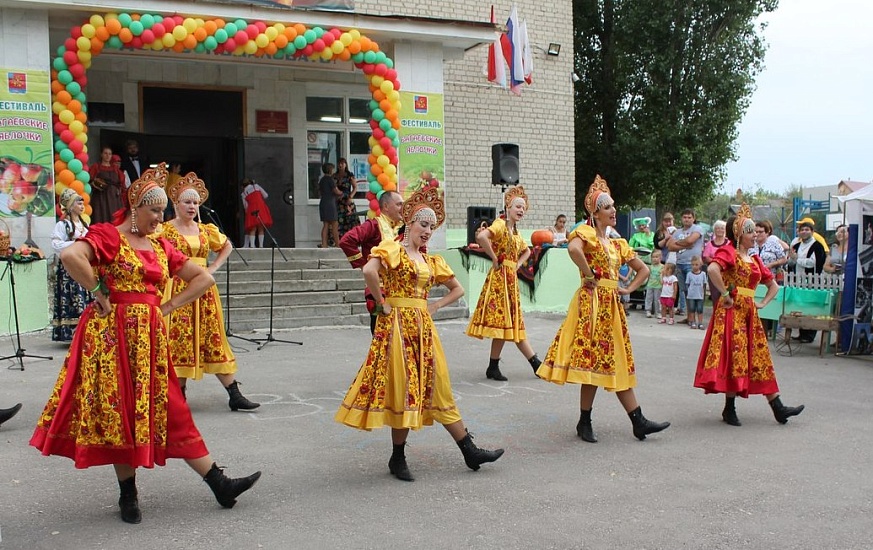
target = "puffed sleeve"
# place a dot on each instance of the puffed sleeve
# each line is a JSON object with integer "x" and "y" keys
{"x": 175, "y": 259}
{"x": 388, "y": 252}
{"x": 726, "y": 257}
{"x": 215, "y": 237}
{"x": 60, "y": 237}
{"x": 498, "y": 228}
{"x": 584, "y": 232}
{"x": 766, "y": 274}
{"x": 105, "y": 240}
{"x": 441, "y": 270}
{"x": 625, "y": 251}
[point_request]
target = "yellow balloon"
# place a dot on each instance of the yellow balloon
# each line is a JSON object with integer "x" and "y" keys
{"x": 82, "y": 137}
{"x": 391, "y": 170}
{"x": 189, "y": 24}
{"x": 271, "y": 33}
{"x": 261, "y": 41}
{"x": 280, "y": 28}
{"x": 66, "y": 116}
{"x": 377, "y": 80}
{"x": 77, "y": 127}
{"x": 83, "y": 44}
{"x": 377, "y": 150}
{"x": 179, "y": 33}
{"x": 372, "y": 142}
{"x": 57, "y": 107}
{"x": 386, "y": 86}
{"x": 250, "y": 47}
{"x": 394, "y": 96}
{"x": 345, "y": 38}
{"x": 199, "y": 21}
{"x": 355, "y": 34}
{"x": 88, "y": 30}
{"x": 337, "y": 47}
{"x": 84, "y": 57}
{"x": 168, "y": 40}
{"x": 96, "y": 21}
{"x": 326, "y": 54}
{"x": 60, "y": 187}
{"x": 383, "y": 161}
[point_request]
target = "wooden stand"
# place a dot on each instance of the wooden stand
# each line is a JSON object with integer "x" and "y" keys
{"x": 803, "y": 322}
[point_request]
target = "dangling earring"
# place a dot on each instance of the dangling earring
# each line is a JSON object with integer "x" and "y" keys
{"x": 133, "y": 228}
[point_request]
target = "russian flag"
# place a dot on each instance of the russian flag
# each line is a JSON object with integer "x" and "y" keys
{"x": 513, "y": 50}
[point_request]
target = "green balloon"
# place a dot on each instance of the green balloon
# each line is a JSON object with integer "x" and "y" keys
{"x": 81, "y": 98}
{"x": 74, "y": 88}
{"x": 136, "y": 28}
{"x": 309, "y": 35}
{"x": 125, "y": 19}
{"x": 357, "y": 57}
{"x": 147, "y": 20}
{"x": 83, "y": 176}
{"x": 380, "y": 58}
{"x": 59, "y": 64}
{"x": 385, "y": 124}
{"x": 61, "y": 146}
{"x": 67, "y": 155}
{"x": 378, "y": 114}
{"x": 87, "y": 187}
{"x": 210, "y": 43}
{"x": 389, "y": 62}
{"x": 75, "y": 165}
{"x": 64, "y": 77}
{"x": 220, "y": 36}
{"x": 319, "y": 32}
{"x": 392, "y": 134}
{"x": 114, "y": 42}
{"x": 300, "y": 42}
{"x": 369, "y": 57}
{"x": 373, "y": 105}
{"x": 291, "y": 48}
{"x": 230, "y": 30}
{"x": 240, "y": 24}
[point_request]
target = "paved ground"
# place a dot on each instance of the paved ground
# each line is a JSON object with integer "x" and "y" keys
{"x": 700, "y": 484}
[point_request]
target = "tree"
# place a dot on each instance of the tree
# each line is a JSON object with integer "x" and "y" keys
{"x": 664, "y": 85}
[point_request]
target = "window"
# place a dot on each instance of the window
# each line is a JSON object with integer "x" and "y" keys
{"x": 337, "y": 127}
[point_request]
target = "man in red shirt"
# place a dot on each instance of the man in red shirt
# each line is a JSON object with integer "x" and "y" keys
{"x": 357, "y": 242}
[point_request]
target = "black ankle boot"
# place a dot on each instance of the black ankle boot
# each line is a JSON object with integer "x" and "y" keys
{"x": 474, "y": 456}
{"x": 783, "y": 413}
{"x": 227, "y": 489}
{"x": 644, "y": 426}
{"x": 238, "y": 400}
{"x": 6, "y": 414}
{"x": 397, "y": 465}
{"x": 128, "y": 502}
{"x": 729, "y": 414}
{"x": 493, "y": 372}
{"x": 584, "y": 429}
{"x": 534, "y": 362}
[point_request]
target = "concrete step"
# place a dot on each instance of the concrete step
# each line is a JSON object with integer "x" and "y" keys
{"x": 242, "y": 288}
{"x": 296, "y": 299}
{"x": 237, "y": 265}
{"x": 287, "y": 274}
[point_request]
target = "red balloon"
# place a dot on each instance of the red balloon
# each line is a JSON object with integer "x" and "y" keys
{"x": 368, "y": 68}
{"x": 148, "y": 37}
{"x": 70, "y": 44}
{"x": 136, "y": 42}
{"x": 76, "y": 32}
{"x": 385, "y": 142}
{"x": 381, "y": 69}
{"x": 229, "y": 45}
{"x": 318, "y": 45}
{"x": 391, "y": 75}
{"x": 67, "y": 136}
{"x": 374, "y": 124}
{"x": 82, "y": 80}
{"x": 178, "y": 19}
{"x": 378, "y": 133}
{"x": 83, "y": 158}
{"x": 241, "y": 38}
{"x": 59, "y": 127}
{"x": 307, "y": 51}
{"x": 328, "y": 38}
{"x": 77, "y": 70}
{"x": 261, "y": 26}
{"x": 374, "y": 204}
{"x": 336, "y": 33}
{"x": 370, "y": 195}
{"x": 158, "y": 29}
{"x": 70, "y": 58}
{"x": 252, "y": 31}
{"x": 76, "y": 146}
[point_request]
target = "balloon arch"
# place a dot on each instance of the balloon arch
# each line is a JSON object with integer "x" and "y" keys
{"x": 149, "y": 31}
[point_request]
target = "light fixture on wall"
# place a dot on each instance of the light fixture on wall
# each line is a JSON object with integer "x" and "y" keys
{"x": 574, "y": 77}
{"x": 554, "y": 49}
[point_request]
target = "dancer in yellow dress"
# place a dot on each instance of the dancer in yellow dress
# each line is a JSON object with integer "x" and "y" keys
{"x": 198, "y": 343}
{"x": 498, "y": 312}
{"x": 592, "y": 347}
{"x": 404, "y": 383}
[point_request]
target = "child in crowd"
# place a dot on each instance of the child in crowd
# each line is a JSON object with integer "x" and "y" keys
{"x": 695, "y": 286}
{"x": 624, "y": 277}
{"x": 669, "y": 291}
{"x": 653, "y": 286}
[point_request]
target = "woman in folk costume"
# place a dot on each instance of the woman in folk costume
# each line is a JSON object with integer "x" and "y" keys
{"x": 70, "y": 298}
{"x": 116, "y": 400}
{"x": 404, "y": 383}
{"x": 735, "y": 357}
{"x": 592, "y": 347}
{"x": 498, "y": 312}
{"x": 198, "y": 343}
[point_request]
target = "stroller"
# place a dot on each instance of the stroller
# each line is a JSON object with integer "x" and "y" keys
{"x": 638, "y": 297}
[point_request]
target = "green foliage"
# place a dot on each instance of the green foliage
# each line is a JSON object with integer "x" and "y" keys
{"x": 664, "y": 85}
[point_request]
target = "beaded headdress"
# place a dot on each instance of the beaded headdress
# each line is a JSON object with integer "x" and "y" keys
{"x": 744, "y": 222}
{"x": 594, "y": 191}
{"x": 68, "y": 199}
{"x": 417, "y": 205}
{"x": 148, "y": 189}
{"x": 177, "y": 189}
{"x": 516, "y": 192}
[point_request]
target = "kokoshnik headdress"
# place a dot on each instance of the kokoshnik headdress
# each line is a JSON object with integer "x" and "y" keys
{"x": 186, "y": 187}
{"x": 595, "y": 191}
{"x": 516, "y": 193}
{"x": 148, "y": 189}
{"x": 744, "y": 222}
{"x": 424, "y": 204}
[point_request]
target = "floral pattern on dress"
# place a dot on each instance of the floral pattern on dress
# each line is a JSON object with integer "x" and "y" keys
{"x": 735, "y": 357}
{"x": 198, "y": 343}
{"x": 593, "y": 345}
{"x": 404, "y": 382}
{"x": 498, "y": 311}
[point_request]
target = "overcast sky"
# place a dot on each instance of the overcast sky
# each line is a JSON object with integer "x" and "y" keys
{"x": 810, "y": 121}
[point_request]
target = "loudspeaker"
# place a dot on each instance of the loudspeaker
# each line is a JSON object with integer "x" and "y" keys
{"x": 479, "y": 216}
{"x": 504, "y": 164}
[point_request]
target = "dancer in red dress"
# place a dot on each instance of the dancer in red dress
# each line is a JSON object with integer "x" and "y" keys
{"x": 735, "y": 358}
{"x": 117, "y": 400}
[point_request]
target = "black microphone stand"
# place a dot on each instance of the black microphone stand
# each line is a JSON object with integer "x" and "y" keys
{"x": 273, "y": 246}
{"x": 19, "y": 351}
{"x": 213, "y": 215}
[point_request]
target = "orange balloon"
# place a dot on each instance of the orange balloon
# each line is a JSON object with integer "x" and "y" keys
{"x": 372, "y": 159}
{"x": 281, "y": 41}
{"x": 64, "y": 97}
{"x": 102, "y": 33}
{"x": 395, "y": 123}
{"x": 200, "y": 34}
{"x": 271, "y": 48}
{"x": 96, "y": 45}
{"x": 392, "y": 115}
{"x": 190, "y": 42}
{"x": 383, "y": 179}
{"x": 290, "y": 33}
{"x": 179, "y": 47}
{"x": 379, "y": 96}
{"x": 375, "y": 169}
{"x": 354, "y": 47}
{"x": 384, "y": 104}
{"x": 57, "y": 87}
{"x": 82, "y": 117}
{"x": 74, "y": 105}
{"x": 66, "y": 176}
{"x": 345, "y": 55}
{"x": 391, "y": 186}
{"x": 77, "y": 186}
{"x": 60, "y": 166}
{"x": 366, "y": 44}
{"x": 300, "y": 28}
{"x": 125, "y": 35}
{"x": 211, "y": 26}
{"x": 113, "y": 26}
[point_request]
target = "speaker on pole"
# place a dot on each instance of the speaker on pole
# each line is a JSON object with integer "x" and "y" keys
{"x": 504, "y": 164}
{"x": 477, "y": 217}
